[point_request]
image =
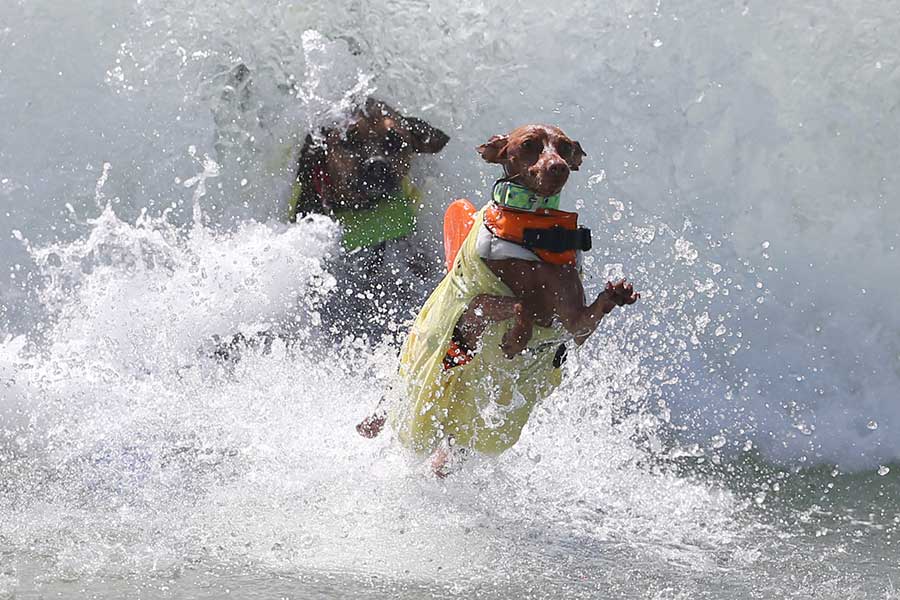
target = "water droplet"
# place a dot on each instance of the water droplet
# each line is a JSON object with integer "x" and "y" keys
{"x": 595, "y": 179}
{"x": 883, "y": 470}
{"x": 702, "y": 321}
{"x": 759, "y": 498}
{"x": 644, "y": 235}
{"x": 618, "y": 207}
{"x": 765, "y": 245}
{"x": 872, "y": 424}
{"x": 805, "y": 428}
{"x": 657, "y": 43}
{"x": 613, "y": 271}
{"x": 717, "y": 441}
{"x": 685, "y": 251}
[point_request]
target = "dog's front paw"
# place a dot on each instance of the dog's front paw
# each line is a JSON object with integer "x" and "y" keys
{"x": 621, "y": 292}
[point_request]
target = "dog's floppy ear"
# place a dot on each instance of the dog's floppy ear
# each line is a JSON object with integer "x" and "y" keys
{"x": 375, "y": 107}
{"x": 494, "y": 151}
{"x": 578, "y": 155}
{"x": 426, "y": 139}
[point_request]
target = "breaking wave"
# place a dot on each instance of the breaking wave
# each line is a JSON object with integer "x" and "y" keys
{"x": 738, "y": 171}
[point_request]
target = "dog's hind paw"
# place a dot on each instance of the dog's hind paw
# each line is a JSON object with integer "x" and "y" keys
{"x": 371, "y": 426}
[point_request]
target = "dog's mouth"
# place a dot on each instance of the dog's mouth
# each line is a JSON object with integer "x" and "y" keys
{"x": 542, "y": 186}
{"x": 365, "y": 194}
{"x": 377, "y": 179}
{"x": 551, "y": 181}
{"x": 550, "y": 189}
{"x": 379, "y": 189}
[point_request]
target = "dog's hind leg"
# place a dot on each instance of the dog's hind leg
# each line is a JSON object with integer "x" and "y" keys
{"x": 447, "y": 458}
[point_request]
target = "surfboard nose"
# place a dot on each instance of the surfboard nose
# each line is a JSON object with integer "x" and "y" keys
{"x": 458, "y": 220}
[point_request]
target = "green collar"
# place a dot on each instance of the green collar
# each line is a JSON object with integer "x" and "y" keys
{"x": 513, "y": 195}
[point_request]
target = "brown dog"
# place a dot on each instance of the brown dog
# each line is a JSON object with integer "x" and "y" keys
{"x": 538, "y": 158}
{"x": 354, "y": 167}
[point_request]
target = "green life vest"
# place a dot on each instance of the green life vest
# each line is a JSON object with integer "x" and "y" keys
{"x": 390, "y": 218}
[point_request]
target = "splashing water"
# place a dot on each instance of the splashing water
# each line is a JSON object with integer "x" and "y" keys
{"x": 715, "y": 441}
{"x": 130, "y": 442}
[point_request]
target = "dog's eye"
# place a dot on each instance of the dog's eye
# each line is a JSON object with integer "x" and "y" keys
{"x": 393, "y": 143}
{"x": 531, "y": 145}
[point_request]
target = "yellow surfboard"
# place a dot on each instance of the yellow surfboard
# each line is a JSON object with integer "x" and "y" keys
{"x": 483, "y": 404}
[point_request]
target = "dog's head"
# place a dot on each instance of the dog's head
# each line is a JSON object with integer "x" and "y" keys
{"x": 538, "y": 157}
{"x": 369, "y": 158}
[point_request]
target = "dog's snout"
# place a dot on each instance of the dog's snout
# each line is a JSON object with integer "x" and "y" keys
{"x": 377, "y": 177}
{"x": 376, "y": 168}
{"x": 558, "y": 169}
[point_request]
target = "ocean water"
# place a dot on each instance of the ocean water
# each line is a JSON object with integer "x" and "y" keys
{"x": 733, "y": 435}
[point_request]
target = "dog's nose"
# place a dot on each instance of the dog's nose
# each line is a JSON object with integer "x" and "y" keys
{"x": 377, "y": 176}
{"x": 558, "y": 169}
{"x": 375, "y": 169}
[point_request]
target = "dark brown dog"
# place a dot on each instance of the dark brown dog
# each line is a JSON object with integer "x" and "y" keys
{"x": 351, "y": 168}
{"x": 355, "y": 166}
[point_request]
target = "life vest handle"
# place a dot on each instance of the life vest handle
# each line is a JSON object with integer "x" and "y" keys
{"x": 557, "y": 239}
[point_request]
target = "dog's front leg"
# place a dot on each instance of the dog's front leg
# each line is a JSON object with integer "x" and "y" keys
{"x": 485, "y": 309}
{"x": 516, "y": 339}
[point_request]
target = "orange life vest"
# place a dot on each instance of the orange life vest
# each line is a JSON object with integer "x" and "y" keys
{"x": 553, "y": 235}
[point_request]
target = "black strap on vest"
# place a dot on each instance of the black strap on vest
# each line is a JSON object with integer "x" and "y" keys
{"x": 559, "y": 359}
{"x": 557, "y": 239}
